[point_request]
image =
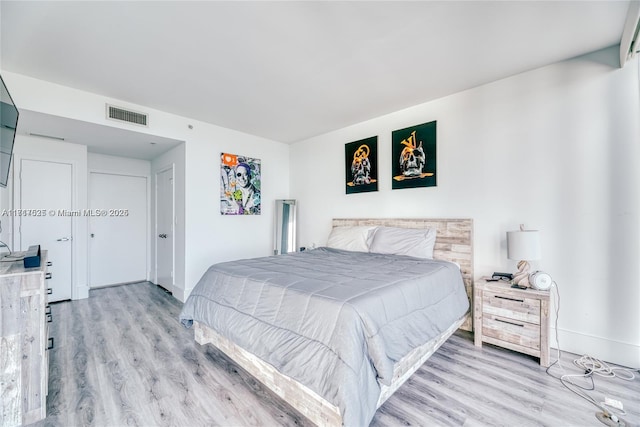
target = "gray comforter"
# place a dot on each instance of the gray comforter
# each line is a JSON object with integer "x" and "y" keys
{"x": 335, "y": 321}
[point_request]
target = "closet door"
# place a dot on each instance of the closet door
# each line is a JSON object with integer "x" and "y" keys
{"x": 118, "y": 235}
{"x": 165, "y": 226}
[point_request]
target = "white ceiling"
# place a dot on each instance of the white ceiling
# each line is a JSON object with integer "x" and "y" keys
{"x": 291, "y": 70}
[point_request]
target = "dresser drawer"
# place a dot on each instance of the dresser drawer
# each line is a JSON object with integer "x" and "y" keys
{"x": 511, "y": 331}
{"x": 512, "y": 307}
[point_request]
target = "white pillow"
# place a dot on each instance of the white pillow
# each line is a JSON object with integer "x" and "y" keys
{"x": 350, "y": 238}
{"x": 415, "y": 242}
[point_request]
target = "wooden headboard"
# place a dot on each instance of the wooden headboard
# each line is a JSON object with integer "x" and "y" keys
{"x": 454, "y": 242}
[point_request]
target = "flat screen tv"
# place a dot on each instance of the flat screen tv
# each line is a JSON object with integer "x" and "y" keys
{"x": 8, "y": 125}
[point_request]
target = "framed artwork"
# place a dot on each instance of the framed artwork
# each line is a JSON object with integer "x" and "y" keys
{"x": 361, "y": 165}
{"x": 414, "y": 156}
{"x": 239, "y": 185}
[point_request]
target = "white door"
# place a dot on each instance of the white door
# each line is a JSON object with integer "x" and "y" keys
{"x": 117, "y": 229}
{"x": 46, "y": 187}
{"x": 164, "y": 228}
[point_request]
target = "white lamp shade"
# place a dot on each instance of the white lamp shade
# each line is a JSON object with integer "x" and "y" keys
{"x": 523, "y": 245}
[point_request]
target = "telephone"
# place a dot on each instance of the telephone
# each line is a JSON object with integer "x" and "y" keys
{"x": 540, "y": 280}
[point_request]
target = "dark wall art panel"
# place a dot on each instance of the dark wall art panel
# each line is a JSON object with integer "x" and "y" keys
{"x": 414, "y": 156}
{"x": 361, "y": 165}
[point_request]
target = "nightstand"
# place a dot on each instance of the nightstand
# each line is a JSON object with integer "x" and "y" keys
{"x": 517, "y": 319}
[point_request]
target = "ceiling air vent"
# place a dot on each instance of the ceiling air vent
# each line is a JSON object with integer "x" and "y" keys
{"x": 120, "y": 114}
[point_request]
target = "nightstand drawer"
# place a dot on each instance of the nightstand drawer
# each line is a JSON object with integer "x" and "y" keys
{"x": 512, "y": 307}
{"x": 511, "y": 331}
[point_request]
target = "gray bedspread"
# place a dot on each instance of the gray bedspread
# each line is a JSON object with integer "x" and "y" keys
{"x": 335, "y": 321}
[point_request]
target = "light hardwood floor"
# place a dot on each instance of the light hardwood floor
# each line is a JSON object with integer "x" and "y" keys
{"x": 122, "y": 358}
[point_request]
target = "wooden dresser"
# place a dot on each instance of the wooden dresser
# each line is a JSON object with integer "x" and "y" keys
{"x": 517, "y": 319}
{"x": 24, "y": 342}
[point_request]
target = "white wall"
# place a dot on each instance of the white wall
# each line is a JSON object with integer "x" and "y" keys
{"x": 209, "y": 237}
{"x": 557, "y": 149}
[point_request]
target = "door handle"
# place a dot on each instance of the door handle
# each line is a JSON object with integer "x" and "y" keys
{"x": 63, "y": 239}
{"x": 162, "y": 236}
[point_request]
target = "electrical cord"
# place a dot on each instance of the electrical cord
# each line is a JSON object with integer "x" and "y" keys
{"x": 9, "y": 257}
{"x": 3, "y": 244}
{"x": 598, "y": 367}
{"x": 590, "y": 366}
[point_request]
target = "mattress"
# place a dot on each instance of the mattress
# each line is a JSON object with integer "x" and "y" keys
{"x": 336, "y": 321}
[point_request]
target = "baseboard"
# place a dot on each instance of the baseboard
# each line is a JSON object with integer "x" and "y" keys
{"x": 81, "y": 292}
{"x": 620, "y": 353}
{"x": 111, "y": 285}
{"x": 180, "y": 294}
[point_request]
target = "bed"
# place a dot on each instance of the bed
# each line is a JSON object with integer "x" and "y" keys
{"x": 335, "y": 332}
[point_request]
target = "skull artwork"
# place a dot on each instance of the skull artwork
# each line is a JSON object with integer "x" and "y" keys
{"x": 361, "y": 166}
{"x": 412, "y": 160}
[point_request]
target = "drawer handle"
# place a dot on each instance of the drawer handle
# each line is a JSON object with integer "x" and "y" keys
{"x": 511, "y": 323}
{"x": 49, "y": 263}
{"x": 47, "y": 310}
{"x": 47, "y": 276}
{"x": 49, "y": 318}
{"x": 510, "y": 299}
{"x": 49, "y": 291}
{"x": 50, "y": 346}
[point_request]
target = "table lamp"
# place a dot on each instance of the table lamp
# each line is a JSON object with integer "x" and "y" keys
{"x": 524, "y": 246}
